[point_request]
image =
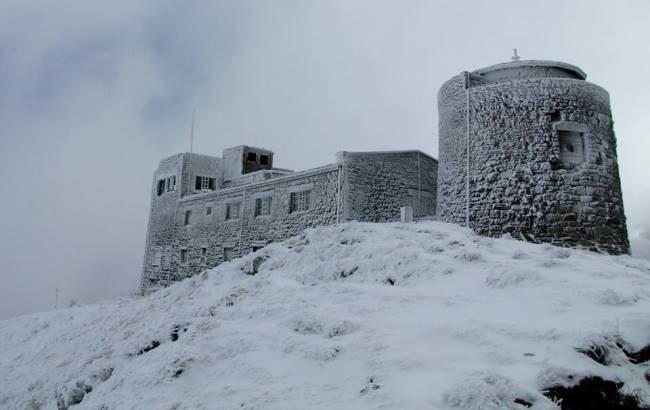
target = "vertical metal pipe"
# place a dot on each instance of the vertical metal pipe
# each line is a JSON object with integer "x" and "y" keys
{"x": 467, "y": 133}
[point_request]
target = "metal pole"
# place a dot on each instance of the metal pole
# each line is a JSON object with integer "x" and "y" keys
{"x": 467, "y": 131}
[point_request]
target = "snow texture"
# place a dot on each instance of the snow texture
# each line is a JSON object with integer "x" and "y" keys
{"x": 358, "y": 315}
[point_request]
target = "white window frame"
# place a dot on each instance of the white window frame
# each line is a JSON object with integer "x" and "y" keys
{"x": 300, "y": 201}
{"x": 263, "y": 205}
{"x": 230, "y": 206}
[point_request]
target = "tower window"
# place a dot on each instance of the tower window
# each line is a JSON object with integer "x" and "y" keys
{"x": 251, "y": 157}
{"x": 208, "y": 210}
{"x": 263, "y": 205}
{"x": 299, "y": 201}
{"x": 264, "y": 159}
{"x": 183, "y": 255}
{"x": 161, "y": 187}
{"x": 188, "y": 215}
{"x": 233, "y": 210}
{"x": 572, "y": 147}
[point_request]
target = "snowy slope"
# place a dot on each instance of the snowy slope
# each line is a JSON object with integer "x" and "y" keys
{"x": 389, "y": 316}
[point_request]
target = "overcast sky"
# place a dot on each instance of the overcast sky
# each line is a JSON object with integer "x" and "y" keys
{"x": 94, "y": 94}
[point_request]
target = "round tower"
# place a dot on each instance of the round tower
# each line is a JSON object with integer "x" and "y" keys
{"x": 528, "y": 148}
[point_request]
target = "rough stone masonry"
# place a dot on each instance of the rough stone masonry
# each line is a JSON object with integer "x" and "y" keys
{"x": 528, "y": 148}
{"x": 206, "y": 210}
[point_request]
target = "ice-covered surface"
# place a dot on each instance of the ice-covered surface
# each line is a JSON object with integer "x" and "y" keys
{"x": 391, "y": 316}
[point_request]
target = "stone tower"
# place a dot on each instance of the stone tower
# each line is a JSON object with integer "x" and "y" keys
{"x": 528, "y": 148}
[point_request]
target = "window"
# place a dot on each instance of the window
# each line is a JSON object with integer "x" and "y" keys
{"x": 157, "y": 256}
{"x": 188, "y": 215}
{"x": 228, "y": 253}
{"x": 204, "y": 255}
{"x": 183, "y": 255}
{"x": 263, "y": 205}
{"x": 264, "y": 159}
{"x": 251, "y": 157}
{"x": 257, "y": 247}
{"x": 208, "y": 210}
{"x": 232, "y": 210}
{"x": 299, "y": 201}
{"x": 166, "y": 185}
{"x": 572, "y": 147}
{"x": 205, "y": 183}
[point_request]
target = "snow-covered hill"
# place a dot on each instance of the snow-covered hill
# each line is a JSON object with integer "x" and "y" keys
{"x": 390, "y": 316}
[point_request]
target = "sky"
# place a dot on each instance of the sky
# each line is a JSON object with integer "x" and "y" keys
{"x": 94, "y": 94}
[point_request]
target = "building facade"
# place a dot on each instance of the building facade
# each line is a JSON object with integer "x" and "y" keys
{"x": 528, "y": 148}
{"x": 206, "y": 210}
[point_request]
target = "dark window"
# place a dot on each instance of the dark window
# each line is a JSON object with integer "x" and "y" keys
{"x": 161, "y": 187}
{"x": 204, "y": 183}
{"x": 204, "y": 251}
{"x": 251, "y": 156}
{"x": 232, "y": 210}
{"x": 263, "y": 205}
{"x": 208, "y": 210}
{"x": 183, "y": 255}
{"x": 257, "y": 248}
{"x": 299, "y": 201}
{"x": 572, "y": 147}
{"x": 228, "y": 254}
{"x": 188, "y": 215}
{"x": 264, "y": 159}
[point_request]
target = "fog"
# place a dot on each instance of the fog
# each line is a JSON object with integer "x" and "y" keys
{"x": 93, "y": 96}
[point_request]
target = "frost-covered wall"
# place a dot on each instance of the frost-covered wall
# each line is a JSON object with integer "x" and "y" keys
{"x": 542, "y": 157}
{"x": 190, "y": 233}
{"x": 377, "y": 184}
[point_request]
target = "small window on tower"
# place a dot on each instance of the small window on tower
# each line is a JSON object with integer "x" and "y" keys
{"x": 188, "y": 215}
{"x": 572, "y": 150}
{"x": 251, "y": 157}
{"x": 264, "y": 159}
{"x": 208, "y": 210}
{"x": 183, "y": 255}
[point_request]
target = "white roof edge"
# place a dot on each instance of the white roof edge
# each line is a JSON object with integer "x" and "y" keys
{"x": 533, "y": 63}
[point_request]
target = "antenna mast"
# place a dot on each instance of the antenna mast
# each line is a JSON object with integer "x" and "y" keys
{"x": 189, "y": 183}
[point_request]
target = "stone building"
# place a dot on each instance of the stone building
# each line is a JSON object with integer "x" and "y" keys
{"x": 528, "y": 148}
{"x": 206, "y": 210}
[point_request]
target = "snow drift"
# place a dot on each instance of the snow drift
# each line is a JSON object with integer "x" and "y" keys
{"x": 390, "y": 316}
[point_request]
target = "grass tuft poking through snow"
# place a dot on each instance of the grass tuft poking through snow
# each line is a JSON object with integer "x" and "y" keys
{"x": 390, "y": 316}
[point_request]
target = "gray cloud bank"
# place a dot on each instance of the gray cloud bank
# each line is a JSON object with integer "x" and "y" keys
{"x": 93, "y": 94}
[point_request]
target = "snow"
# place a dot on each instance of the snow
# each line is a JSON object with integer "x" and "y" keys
{"x": 470, "y": 323}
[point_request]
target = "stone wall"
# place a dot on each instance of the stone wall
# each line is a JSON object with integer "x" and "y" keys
{"x": 377, "y": 184}
{"x": 365, "y": 186}
{"x": 518, "y": 184}
{"x": 214, "y": 233}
